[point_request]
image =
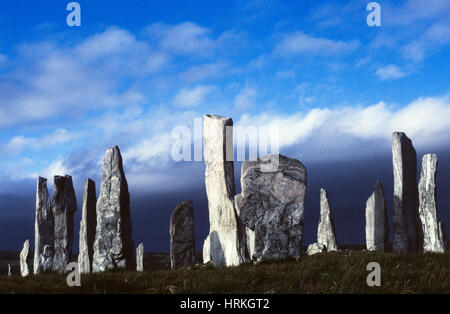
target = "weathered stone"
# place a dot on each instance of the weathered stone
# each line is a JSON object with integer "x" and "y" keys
{"x": 225, "y": 245}
{"x": 182, "y": 239}
{"x": 24, "y": 270}
{"x": 9, "y": 270}
{"x": 316, "y": 248}
{"x": 87, "y": 227}
{"x": 43, "y": 229}
{"x": 140, "y": 257}
{"x": 406, "y": 214}
{"x": 272, "y": 206}
{"x": 433, "y": 235}
{"x": 326, "y": 234}
{"x": 113, "y": 246}
{"x": 377, "y": 225}
{"x": 46, "y": 258}
{"x": 64, "y": 206}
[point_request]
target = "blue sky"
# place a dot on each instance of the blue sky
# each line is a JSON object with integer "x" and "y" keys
{"x": 335, "y": 87}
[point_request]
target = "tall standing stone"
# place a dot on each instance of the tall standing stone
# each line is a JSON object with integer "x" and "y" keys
{"x": 113, "y": 246}
{"x": 406, "y": 218}
{"x": 24, "y": 270}
{"x": 140, "y": 257}
{"x": 272, "y": 205}
{"x": 433, "y": 233}
{"x": 225, "y": 244}
{"x": 326, "y": 234}
{"x": 182, "y": 238}
{"x": 43, "y": 229}
{"x": 87, "y": 227}
{"x": 377, "y": 225}
{"x": 64, "y": 206}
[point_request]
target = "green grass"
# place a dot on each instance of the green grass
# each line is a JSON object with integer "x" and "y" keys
{"x": 340, "y": 272}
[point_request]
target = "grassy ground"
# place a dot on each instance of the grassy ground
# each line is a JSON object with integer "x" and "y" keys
{"x": 341, "y": 272}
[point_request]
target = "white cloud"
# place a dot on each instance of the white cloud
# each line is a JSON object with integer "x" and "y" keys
{"x": 203, "y": 71}
{"x": 60, "y": 136}
{"x": 323, "y": 133}
{"x": 184, "y": 38}
{"x": 192, "y": 97}
{"x": 245, "y": 99}
{"x": 390, "y": 72}
{"x": 414, "y": 11}
{"x": 56, "y": 168}
{"x": 300, "y": 43}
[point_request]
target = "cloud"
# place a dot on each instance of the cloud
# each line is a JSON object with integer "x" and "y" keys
{"x": 245, "y": 99}
{"x": 192, "y": 97}
{"x": 390, "y": 72}
{"x": 60, "y": 136}
{"x": 69, "y": 81}
{"x": 435, "y": 36}
{"x": 300, "y": 43}
{"x": 328, "y": 134}
{"x": 204, "y": 71}
{"x": 185, "y": 38}
{"x": 415, "y": 11}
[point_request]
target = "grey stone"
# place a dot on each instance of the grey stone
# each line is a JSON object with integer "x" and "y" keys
{"x": 43, "y": 229}
{"x": 113, "y": 246}
{"x": 88, "y": 225}
{"x": 406, "y": 214}
{"x": 46, "y": 258}
{"x": 316, "y": 248}
{"x": 64, "y": 206}
{"x": 24, "y": 270}
{"x": 182, "y": 239}
{"x": 377, "y": 225}
{"x": 433, "y": 235}
{"x": 225, "y": 244}
{"x": 326, "y": 234}
{"x": 140, "y": 257}
{"x": 9, "y": 270}
{"x": 272, "y": 206}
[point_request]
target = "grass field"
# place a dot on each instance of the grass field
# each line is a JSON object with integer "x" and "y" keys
{"x": 340, "y": 272}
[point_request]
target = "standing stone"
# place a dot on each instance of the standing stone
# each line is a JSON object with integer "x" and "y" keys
{"x": 377, "y": 225}
{"x": 182, "y": 239}
{"x": 24, "y": 271}
{"x": 64, "y": 206}
{"x": 43, "y": 229}
{"x": 326, "y": 234}
{"x": 9, "y": 270}
{"x": 272, "y": 205}
{"x": 140, "y": 257}
{"x": 113, "y": 246}
{"x": 225, "y": 244}
{"x": 433, "y": 234}
{"x": 87, "y": 227}
{"x": 316, "y": 248}
{"x": 406, "y": 214}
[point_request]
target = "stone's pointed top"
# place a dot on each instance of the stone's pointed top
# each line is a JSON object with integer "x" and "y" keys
{"x": 89, "y": 181}
{"x": 401, "y": 137}
{"x": 113, "y": 159}
{"x": 41, "y": 179}
{"x": 214, "y": 116}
